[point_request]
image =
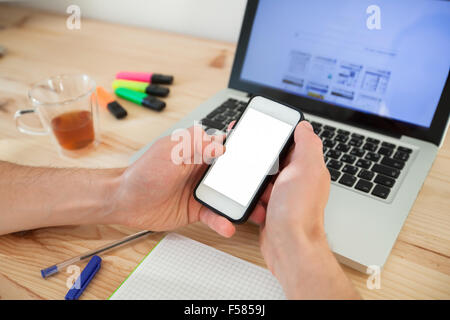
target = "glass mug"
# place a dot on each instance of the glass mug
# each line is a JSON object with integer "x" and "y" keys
{"x": 67, "y": 108}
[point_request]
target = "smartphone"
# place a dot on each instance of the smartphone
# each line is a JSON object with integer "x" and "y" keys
{"x": 232, "y": 185}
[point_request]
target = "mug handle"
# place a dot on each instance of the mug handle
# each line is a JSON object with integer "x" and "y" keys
{"x": 27, "y": 129}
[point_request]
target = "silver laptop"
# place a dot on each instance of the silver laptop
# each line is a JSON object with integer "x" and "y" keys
{"x": 372, "y": 80}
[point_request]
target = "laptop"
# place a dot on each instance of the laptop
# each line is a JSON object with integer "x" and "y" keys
{"x": 375, "y": 91}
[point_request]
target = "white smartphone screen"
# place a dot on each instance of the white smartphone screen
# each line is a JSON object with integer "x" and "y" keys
{"x": 251, "y": 151}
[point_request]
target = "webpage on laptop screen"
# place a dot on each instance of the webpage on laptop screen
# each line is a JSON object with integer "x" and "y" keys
{"x": 332, "y": 51}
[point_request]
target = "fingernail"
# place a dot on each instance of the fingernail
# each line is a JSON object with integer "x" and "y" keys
{"x": 306, "y": 124}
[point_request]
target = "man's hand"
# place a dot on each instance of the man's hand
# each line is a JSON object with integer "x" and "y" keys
{"x": 156, "y": 194}
{"x": 293, "y": 240}
{"x": 298, "y": 196}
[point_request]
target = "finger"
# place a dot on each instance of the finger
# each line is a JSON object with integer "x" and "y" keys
{"x": 303, "y": 125}
{"x": 212, "y": 150}
{"x": 231, "y": 125}
{"x": 258, "y": 215}
{"x": 307, "y": 143}
{"x": 266, "y": 195}
{"x": 205, "y": 147}
{"x": 301, "y": 130}
{"x": 219, "y": 224}
{"x": 288, "y": 158}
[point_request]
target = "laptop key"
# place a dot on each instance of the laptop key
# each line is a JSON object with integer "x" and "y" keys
{"x": 363, "y": 163}
{"x": 344, "y": 132}
{"x": 355, "y": 142}
{"x": 357, "y": 136}
{"x": 230, "y": 114}
{"x": 329, "y": 128}
{"x": 240, "y": 109}
{"x": 341, "y": 138}
{"x": 381, "y": 191}
{"x": 326, "y": 134}
{"x": 370, "y": 146}
{"x": 397, "y": 164}
{"x": 366, "y": 175}
{"x": 334, "y": 154}
{"x": 372, "y": 156}
{"x": 385, "y": 151}
{"x": 316, "y": 124}
{"x": 219, "y": 118}
{"x": 387, "y": 171}
{"x": 221, "y": 109}
{"x": 329, "y": 143}
{"x": 334, "y": 174}
{"x": 212, "y": 124}
{"x": 372, "y": 140}
{"x": 357, "y": 152}
{"x": 404, "y": 149}
{"x": 215, "y": 112}
{"x": 334, "y": 164}
{"x": 400, "y": 155}
{"x": 388, "y": 145}
{"x": 342, "y": 147}
{"x": 229, "y": 104}
{"x": 348, "y": 158}
{"x": 350, "y": 169}
{"x": 385, "y": 181}
{"x": 347, "y": 180}
{"x": 364, "y": 185}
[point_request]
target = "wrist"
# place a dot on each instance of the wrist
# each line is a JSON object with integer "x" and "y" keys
{"x": 293, "y": 249}
{"x": 94, "y": 201}
{"x": 109, "y": 186}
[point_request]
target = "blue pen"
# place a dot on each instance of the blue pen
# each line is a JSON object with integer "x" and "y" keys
{"x": 85, "y": 277}
{"x": 47, "y": 272}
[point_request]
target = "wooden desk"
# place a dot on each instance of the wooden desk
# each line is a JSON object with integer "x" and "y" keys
{"x": 39, "y": 45}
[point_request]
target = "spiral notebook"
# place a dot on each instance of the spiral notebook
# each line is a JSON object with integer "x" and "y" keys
{"x": 181, "y": 268}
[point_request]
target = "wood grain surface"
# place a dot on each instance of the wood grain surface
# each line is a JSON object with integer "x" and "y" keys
{"x": 39, "y": 45}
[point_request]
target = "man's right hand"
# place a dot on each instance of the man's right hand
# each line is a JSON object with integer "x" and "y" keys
{"x": 293, "y": 240}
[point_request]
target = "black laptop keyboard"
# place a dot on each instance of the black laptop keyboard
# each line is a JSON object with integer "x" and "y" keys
{"x": 363, "y": 163}
{"x": 221, "y": 117}
{"x": 354, "y": 160}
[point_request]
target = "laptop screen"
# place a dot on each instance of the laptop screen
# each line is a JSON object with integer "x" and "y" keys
{"x": 390, "y": 59}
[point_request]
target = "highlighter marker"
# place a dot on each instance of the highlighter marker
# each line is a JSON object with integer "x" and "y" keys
{"x": 148, "y": 77}
{"x": 107, "y": 101}
{"x": 141, "y": 98}
{"x": 152, "y": 89}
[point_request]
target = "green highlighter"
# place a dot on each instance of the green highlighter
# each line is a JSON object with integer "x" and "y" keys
{"x": 152, "y": 89}
{"x": 140, "y": 98}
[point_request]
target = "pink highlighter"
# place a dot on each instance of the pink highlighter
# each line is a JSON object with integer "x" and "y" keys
{"x": 148, "y": 77}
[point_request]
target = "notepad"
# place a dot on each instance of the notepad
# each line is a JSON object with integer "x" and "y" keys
{"x": 181, "y": 268}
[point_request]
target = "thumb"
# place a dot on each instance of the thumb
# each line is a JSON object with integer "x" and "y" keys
{"x": 219, "y": 224}
{"x": 207, "y": 147}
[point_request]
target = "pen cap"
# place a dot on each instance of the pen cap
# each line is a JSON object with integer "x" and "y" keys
{"x": 85, "y": 278}
{"x": 153, "y": 103}
{"x": 49, "y": 271}
{"x": 135, "y": 76}
{"x": 161, "y": 79}
{"x": 132, "y": 85}
{"x": 117, "y": 110}
{"x": 155, "y": 90}
{"x": 130, "y": 95}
